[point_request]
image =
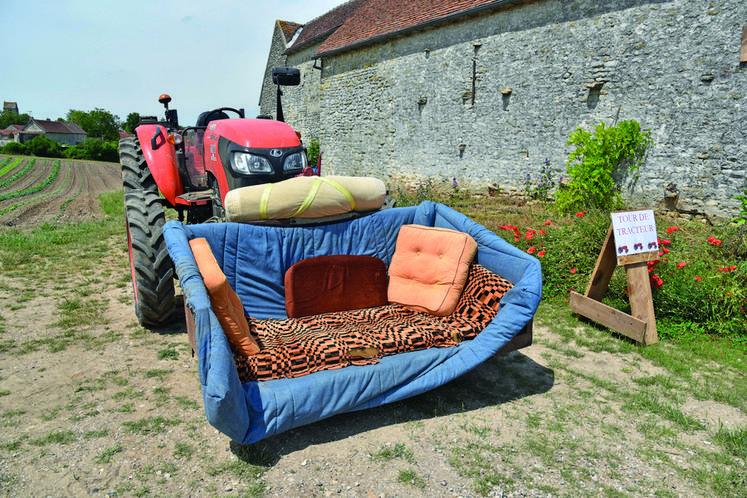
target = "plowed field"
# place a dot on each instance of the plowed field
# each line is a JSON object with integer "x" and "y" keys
{"x": 72, "y": 195}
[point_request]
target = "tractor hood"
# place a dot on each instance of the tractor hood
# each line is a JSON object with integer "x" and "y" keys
{"x": 252, "y": 133}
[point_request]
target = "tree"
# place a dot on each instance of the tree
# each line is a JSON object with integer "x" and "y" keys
{"x": 98, "y": 123}
{"x": 132, "y": 122}
{"x": 8, "y": 117}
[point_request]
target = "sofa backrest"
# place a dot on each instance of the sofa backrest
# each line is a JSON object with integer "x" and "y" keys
{"x": 255, "y": 258}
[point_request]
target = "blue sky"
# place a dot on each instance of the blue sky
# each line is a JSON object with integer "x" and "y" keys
{"x": 121, "y": 55}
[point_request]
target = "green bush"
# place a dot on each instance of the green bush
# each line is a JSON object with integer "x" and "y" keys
{"x": 312, "y": 152}
{"x": 42, "y": 146}
{"x": 742, "y": 217}
{"x": 595, "y": 162}
{"x": 94, "y": 150}
{"x": 15, "y": 148}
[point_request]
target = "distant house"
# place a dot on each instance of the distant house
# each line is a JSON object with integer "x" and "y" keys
{"x": 58, "y": 131}
{"x": 10, "y": 106}
{"x": 9, "y": 134}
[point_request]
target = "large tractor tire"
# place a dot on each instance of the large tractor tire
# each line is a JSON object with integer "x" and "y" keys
{"x": 150, "y": 264}
{"x": 135, "y": 172}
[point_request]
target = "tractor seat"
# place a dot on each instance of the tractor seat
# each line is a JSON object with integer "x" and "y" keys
{"x": 208, "y": 116}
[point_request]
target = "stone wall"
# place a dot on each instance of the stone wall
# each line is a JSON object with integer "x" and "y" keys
{"x": 488, "y": 99}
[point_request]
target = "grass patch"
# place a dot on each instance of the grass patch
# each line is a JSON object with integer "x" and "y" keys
{"x": 151, "y": 425}
{"x": 386, "y": 453}
{"x": 106, "y": 455}
{"x": 734, "y": 441}
{"x": 58, "y": 437}
{"x": 411, "y": 477}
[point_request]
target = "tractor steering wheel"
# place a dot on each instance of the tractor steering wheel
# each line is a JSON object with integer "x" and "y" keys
{"x": 218, "y": 113}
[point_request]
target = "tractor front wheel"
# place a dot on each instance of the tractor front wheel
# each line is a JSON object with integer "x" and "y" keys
{"x": 135, "y": 172}
{"x": 150, "y": 264}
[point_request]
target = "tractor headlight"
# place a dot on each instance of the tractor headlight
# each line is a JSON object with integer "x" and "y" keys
{"x": 251, "y": 164}
{"x": 294, "y": 161}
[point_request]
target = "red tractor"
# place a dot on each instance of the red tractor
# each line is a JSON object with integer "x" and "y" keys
{"x": 190, "y": 169}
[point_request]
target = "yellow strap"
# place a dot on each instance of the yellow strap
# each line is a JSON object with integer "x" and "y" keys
{"x": 264, "y": 201}
{"x": 309, "y": 197}
{"x": 342, "y": 190}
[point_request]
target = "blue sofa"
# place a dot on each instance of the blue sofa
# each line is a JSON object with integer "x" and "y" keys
{"x": 255, "y": 258}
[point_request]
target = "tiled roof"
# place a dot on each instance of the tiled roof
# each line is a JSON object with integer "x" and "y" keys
{"x": 49, "y": 126}
{"x": 289, "y": 29}
{"x": 370, "y": 20}
{"x": 326, "y": 24}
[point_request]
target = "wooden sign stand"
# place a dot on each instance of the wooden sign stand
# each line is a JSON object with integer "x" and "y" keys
{"x": 641, "y": 326}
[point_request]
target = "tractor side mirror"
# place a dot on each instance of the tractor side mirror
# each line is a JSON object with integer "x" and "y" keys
{"x": 286, "y": 76}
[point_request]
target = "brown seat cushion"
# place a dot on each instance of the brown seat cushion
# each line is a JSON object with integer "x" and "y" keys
{"x": 326, "y": 284}
{"x": 223, "y": 299}
{"x": 429, "y": 268}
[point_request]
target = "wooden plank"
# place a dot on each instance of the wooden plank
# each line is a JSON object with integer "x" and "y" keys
{"x": 605, "y": 267}
{"x": 609, "y": 317}
{"x": 743, "y": 56}
{"x": 643, "y": 257}
{"x": 641, "y": 301}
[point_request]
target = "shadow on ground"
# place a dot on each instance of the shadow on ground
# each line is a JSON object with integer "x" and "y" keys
{"x": 501, "y": 379}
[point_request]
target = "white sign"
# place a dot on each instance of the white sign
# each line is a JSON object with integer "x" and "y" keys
{"x": 635, "y": 232}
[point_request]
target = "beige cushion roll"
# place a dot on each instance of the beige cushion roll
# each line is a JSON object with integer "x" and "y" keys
{"x": 305, "y": 197}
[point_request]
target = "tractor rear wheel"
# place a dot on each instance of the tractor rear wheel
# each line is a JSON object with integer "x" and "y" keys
{"x": 150, "y": 264}
{"x": 135, "y": 172}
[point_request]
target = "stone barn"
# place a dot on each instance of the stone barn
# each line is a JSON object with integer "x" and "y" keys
{"x": 487, "y": 91}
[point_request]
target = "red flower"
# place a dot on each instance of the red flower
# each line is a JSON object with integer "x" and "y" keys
{"x": 656, "y": 281}
{"x": 672, "y": 229}
{"x": 665, "y": 250}
{"x": 541, "y": 253}
{"x": 698, "y": 279}
{"x": 665, "y": 241}
{"x": 531, "y": 250}
{"x": 680, "y": 265}
{"x": 530, "y": 235}
{"x": 573, "y": 270}
{"x": 579, "y": 215}
{"x": 548, "y": 223}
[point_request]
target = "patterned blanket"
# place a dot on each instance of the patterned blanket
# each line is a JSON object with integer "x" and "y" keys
{"x": 292, "y": 347}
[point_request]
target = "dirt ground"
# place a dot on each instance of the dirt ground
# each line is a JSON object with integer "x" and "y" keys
{"x": 98, "y": 406}
{"x": 77, "y": 186}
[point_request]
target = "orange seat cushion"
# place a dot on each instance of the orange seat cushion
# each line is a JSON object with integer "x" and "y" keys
{"x": 224, "y": 300}
{"x": 429, "y": 268}
{"x": 327, "y": 284}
